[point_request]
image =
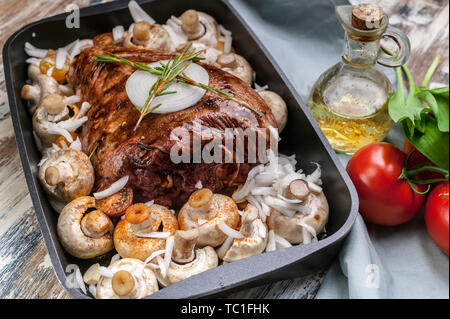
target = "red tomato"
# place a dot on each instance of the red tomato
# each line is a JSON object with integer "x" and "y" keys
{"x": 117, "y": 204}
{"x": 418, "y": 158}
{"x": 383, "y": 198}
{"x": 436, "y": 215}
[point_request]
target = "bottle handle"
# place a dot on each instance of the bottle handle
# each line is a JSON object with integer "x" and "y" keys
{"x": 399, "y": 58}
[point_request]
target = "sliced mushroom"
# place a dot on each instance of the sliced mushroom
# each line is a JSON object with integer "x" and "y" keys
{"x": 292, "y": 228}
{"x": 67, "y": 174}
{"x": 186, "y": 261}
{"x": 236, "y": 65}
{"x": 206, "y": 210}
{"x": 255, "y": 237}
{"x": 141, "y": 219}
{"x": 149, "y": 36}
{"x": 130, "y": 280}
{"x": 42, "y": 86}
{"x": 200, "y": 27}
{"x": 277, "y": 106}
{"x": 84, "y": 234}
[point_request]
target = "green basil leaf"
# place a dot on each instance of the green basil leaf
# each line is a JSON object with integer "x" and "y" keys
{"x": 432, "y": 142}
{"x": 439, "y": 105}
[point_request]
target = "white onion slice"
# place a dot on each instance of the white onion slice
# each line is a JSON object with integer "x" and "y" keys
{"x": 199, "y": 185}
{"x": 35, "y": 52}
{"x": 80, "y": 281}
{"x": 114, "y": 258}
{"x": 72, "y": 99}
{"x": 60, "y": 60}
{"x": 75, "y": 145}
{"x": 271, "y": 245}
{"x": 155, "y": 234}
{"x": 72, "y": 124}
{"x": 230, "y": 232}
{"x": 221, "y": 251}
{"x": 84, "y": 108}
{"x": 150, "y": 203}
{"x": 55, "y": 129}
{"x": 139, "y": 83}
{"x": 114, "y": 188}
{"x": 66, "y": 90}
{"x": 93, "y": 290}
{"x": 161, "y": 266}
{"x": 260, "y": 88}
{"x": 34, "y": 61}
{"x": 118, "y": 32}
{"x": 138, "y": 14}
{"x": 153, "y": 255}
{"x": 50, "y": 71}
{"x": 105, "y": 272}
{"x": 281, "y": 242}
{"x": 227, "y": 44}
{"x": 168, "y": 253}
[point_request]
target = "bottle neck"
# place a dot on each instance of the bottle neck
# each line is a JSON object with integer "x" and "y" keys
{"x": 361, "y": 54}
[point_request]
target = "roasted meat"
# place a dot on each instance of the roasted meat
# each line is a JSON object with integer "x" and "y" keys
{"x": 144, "y": 154}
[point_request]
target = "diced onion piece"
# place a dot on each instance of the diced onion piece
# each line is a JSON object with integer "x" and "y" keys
{"x": 199, "y": 185}
{"x": 34, "y": 61}
{"x": 84, "y": 108}
{"x": 230, "y": 232}
{"x": 224, "y": 31}
{"x": 260, "y": 88}
{"x": 314, "y": 187}
{"x": 35, "y": 52}
{"x": 138, "y": 14}
{"x": 93, "y": 290}
{"x": 114, "y": 188}
{"x": 72, "y": 99}
{"x": 50, "y": 71}
{"x": 61, "y": 56}
{"x": 140, "y": 82}
{"x": 314, "y": 177}
{"x": 271, "y": 245}
{"x": 114, "y": 258}
{"x": 221, "y": 251}
{"x": 227, "y": 44}
{"x": 155, "y": 234}
{"x": 72, "y": 124}
{"x": 168, "y": 253}
{"x": 105, "y": 272}
{"x": 75, "y": 145}
{"x": 150, "y": 203}
{"x": 55, "y": 129}
{"x": 92, "y": 275}
{"x": 308, "y": 233}
{"x": 118, "y": 32}
{"x": 281, "y": 242}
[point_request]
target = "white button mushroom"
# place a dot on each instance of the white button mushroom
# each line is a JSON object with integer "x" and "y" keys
{"x": 42, "y": 86}
{"x": 149, "y": 36}
{"x": 277, "y": 106}
{"x": 254, "y": 240}
{"x": 206, "y": 211}
{"x": 67, "y": 174}
{"x": 200, "y": 27}
{"x": 84, "y": 234}
{"x": 130, "y": 280}
{"x": 293, "y": 228}
{"x": 236, "y": 65}
{"x": 140, "y": 220}
{"x": 186, "y": 261}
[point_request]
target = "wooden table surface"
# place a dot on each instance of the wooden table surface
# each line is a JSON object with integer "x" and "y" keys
{"x": 25, "y": 267}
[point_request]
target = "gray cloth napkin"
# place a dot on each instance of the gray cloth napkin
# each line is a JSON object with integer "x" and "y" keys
{"x": 375, "y": 262}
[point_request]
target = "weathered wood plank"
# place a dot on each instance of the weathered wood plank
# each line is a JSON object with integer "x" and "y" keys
{"x": 25, "y": 268}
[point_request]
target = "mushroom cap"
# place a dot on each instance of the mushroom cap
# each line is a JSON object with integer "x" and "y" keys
{"x": 277, "y": 106}
{"x": 288, "y": 227}
{"x": 76, "y": 174}
{"x": 145, "y": 282}
{"x": 221, "y": 209}
{"x": 252, "y": 244}
{"x": 238, "y": 66}
{"x": 205, "y": 259}
{"x": 71, "y": 236}
{"x": 157, "y": 38}
{"x": 129, "y": 245}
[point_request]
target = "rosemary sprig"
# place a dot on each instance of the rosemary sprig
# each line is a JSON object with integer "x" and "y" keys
{"x": 167, "y": 74}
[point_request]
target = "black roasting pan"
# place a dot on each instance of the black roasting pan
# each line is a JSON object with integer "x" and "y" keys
{"x": 302, "y": 137}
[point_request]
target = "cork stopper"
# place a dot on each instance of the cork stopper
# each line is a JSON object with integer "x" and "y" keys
{"x": 367, "y": 16}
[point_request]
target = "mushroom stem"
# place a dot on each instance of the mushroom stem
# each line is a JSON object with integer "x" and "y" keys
{"x": 123, "y": 283}
{"x": 141, "y": 218}
{"x": 200, "y": 200}
{"x": 95, "y": 224}
{"x": 60, "y": 173}
{"x": 227, "y": 60}
{"x": 141, "y": 32}
{"x": 31, "y": 93}
{"x": 183, "y": 249}
{"x": 191, "y": 24}
{"x": 54, "y": 103}
{"x": 298, "y": 189}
